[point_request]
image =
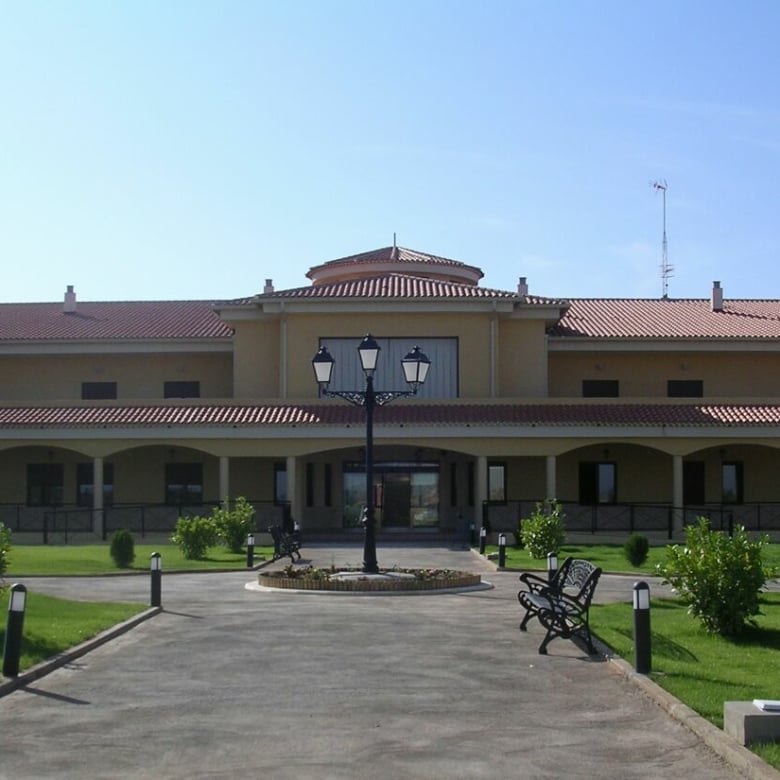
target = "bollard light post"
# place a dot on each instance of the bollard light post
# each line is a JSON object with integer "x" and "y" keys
{"x": 482, "y": 539}
{"x": 472, "y": 535}
{"x": 156, "y": 572}
{"x": 250, "y": 551}
{"x": 501, "y": 551}
{"x": 642, "y": 648}
{"x": 13, "y": 633}
{"x": 552, "y": 566}
{"x": 415, "y": 366}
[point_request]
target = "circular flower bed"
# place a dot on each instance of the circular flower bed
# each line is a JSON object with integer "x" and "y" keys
{"x": 310, "y": 578}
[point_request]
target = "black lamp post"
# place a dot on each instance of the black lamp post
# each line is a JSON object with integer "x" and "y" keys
{"x": 415, "y": 366}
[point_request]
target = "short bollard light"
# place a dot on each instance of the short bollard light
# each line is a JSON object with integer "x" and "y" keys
{"x": 642, "y": 648}
{"x": 482, "y": 540}
{"x": 552, "y": 566}
{"x": 13, "y": 632}
{"x": 250, "y": 551}
{"x": 501, "y": 551}
{"x": 156, "y": 571}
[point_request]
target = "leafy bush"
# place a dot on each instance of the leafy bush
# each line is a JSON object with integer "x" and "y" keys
{"x": 717, "y": 576}
{"x": 194, "y": 535}
{"x": 233, "y": 525}
{"x": 636, "y": 549}
{"x": 122, "y": 548}
{"x": 543, "y": 532}
{"x": 5, "y": 549}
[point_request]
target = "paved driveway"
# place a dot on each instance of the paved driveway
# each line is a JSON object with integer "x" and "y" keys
{"x": 229, "y": 682}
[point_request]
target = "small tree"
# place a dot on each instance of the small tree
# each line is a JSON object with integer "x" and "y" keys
{"x": 122, "y": 548}
{"x": 543, "y": 532}
{"x": 233, "y": 525}
{"x": 194, "y": 536}
{"x": 719, "y": 577}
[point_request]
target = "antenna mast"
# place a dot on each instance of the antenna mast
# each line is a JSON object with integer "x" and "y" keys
{"x": 666, "y": 269}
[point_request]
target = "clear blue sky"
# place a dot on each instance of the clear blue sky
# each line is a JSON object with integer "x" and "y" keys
{"x": 185, "y": 149}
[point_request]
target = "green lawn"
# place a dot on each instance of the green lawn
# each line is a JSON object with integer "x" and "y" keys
{"x": 31, "y": 560}
{"x": 700, "y": 669}
{"x": 52, "y": 625}
{"x": 610, "y": 557}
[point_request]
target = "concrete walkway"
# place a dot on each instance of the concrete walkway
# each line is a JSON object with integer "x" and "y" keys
{"x": 229, "y": 682}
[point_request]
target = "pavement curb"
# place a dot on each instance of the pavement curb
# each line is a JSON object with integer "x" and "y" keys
{"x": 8, "y": 685}
{"x": 728, "y": 748}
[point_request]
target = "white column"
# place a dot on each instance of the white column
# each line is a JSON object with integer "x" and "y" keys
{"x": 224, "y": 478}
{"x": 551, "y": 489}
{"x": 97, "y": 496}
{"x": 480, "y": 492}
{"x": 292, "y": 488}
{"x": 677, "y": 493}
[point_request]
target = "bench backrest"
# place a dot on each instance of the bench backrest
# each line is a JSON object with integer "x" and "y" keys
{"x": 581, "y": 576}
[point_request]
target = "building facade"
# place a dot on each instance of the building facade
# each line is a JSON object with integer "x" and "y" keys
{"x": 636, "y": 414}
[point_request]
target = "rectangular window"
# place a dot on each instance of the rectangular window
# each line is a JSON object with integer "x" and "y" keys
{"x": 453, "y": 484}
{"x": 598, "y": 483}
{"x": 96, "y": 391}
{"x": 470, "y": 482}
{"x": 309, "y": 484}
{"x": 600, "y": 388}
{"x": 183, "y": 484}
{"x": 732, "y": 483}
{"x": 45, "y": 484}
{"x": 496, "y": 481}
{"x": 328, "y": 499}
{"x": 85, "y": 484}
{"x": 181, "y": 390}
{"x": 280, "y": 483}
{"x": 685, "y": 388}
{"x": 442, "y": 380}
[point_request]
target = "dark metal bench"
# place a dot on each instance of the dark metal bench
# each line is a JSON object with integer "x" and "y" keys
{"x": 561, "y": 605}
{"x": 284, "y": 544}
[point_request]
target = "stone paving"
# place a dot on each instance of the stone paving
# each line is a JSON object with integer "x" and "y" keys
{"x": 231, "y": 682}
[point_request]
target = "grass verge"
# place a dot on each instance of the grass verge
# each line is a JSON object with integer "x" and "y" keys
{"x": 37, "y": 560}
{"x": 53, "y": 625}
{"x": 700, "y": 669}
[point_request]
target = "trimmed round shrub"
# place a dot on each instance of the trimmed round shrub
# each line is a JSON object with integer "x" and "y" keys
{"x": 123, "y": 548}
{"x": 233, "y": 525}
{"x": 636, "y": 549}
{"x": 543, "y": 532}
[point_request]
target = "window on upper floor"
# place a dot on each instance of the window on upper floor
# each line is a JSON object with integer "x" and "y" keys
{"x": 442, "y": 380}
{"x": 600, "y": 388}
{"x": 685, "y": 388}
{"x": 180, "y": 389}
{"x": 96, "y": 391}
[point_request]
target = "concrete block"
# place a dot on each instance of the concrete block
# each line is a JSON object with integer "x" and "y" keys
{"x": 747, "y": 723}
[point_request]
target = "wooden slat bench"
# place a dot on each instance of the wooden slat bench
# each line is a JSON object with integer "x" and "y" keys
{"x": 562, "y": 605}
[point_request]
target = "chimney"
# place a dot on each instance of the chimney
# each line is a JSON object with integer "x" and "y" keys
{"x": 69, "y": 306}
{"x": 522, "y": 287}
{"x": 269, "y": 287}
{"x": 717, "y": 297}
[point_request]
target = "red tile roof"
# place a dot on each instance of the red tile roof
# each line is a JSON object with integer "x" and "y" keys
{"x": 391, "y": 285}
{"x": 393, "y": 254}
{"x": 626, "y": 318}
{"x": 445, "y": 415}
{"x": 111, "y": 320}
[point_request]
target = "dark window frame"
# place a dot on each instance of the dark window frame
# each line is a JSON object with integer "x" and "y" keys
{"x": 45, "y": 484}
{"x": 684, "y": 388}
{"x": 184, "y": 484}
{"x": 98, "y": 391}
{"x": 181, "y": 389}
{"x": 739, "y": 481}
{"x": 492, "y": 466}
{"x": 591, "y": 488}
{"x": 85, "y": 484}
{"x": 600, "y": 388}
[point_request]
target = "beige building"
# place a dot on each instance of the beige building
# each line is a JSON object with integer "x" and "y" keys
{"x": 636, "y": 414}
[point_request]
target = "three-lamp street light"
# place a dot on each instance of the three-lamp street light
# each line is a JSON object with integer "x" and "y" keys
{"x": 415, "y": 367}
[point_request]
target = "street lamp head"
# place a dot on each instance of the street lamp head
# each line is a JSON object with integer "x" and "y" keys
{"x": 369, "y": 354}
{"x": 415, "y": 365}
{"x": 322, "y": 363}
